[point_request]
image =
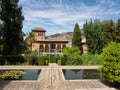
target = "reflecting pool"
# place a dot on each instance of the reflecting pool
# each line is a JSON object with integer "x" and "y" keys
{"x": 74, "y": 74}
{"x": 28, "y": 75}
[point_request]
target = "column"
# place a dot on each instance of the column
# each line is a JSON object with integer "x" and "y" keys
{"x": 49, "y": 47}
{"x": 56, "y": 47}
{"x": 43, "y": 48}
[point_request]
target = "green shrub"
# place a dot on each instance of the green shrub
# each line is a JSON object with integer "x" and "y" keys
{"x": 72, "y": 54}
{"x": 61, "y": 60}
{"x": 90, "y": 59}
{"x": 110, "y": 58}
{"x": 11, "y": 60}
{"x": 41, "y": 60}
{"x": 31, "y": 59}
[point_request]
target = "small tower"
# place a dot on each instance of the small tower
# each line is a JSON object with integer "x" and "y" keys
{"x": 39, "y": 33}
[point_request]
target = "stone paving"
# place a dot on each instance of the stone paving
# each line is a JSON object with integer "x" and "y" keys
{"x": 51, "y": 78}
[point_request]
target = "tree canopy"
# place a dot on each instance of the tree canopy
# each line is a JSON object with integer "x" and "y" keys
{"x": 93, "y": 34}
{"x": 76, "y": 40}
{"x": 12, "y": 35}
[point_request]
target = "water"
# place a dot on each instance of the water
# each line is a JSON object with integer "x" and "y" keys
{"x": 76, "y": 74}
{"x": 29, "y": 74}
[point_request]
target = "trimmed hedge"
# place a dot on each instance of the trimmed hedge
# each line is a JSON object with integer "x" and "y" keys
{"x": 11, "y": 60}
{"x": 43, "y": 60}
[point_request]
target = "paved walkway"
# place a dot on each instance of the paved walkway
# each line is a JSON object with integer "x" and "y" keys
{"x": 51, "y": 78}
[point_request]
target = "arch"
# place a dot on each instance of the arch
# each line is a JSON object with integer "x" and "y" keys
{"x": 59, "y": 48}
{"x": 52, "y": 47}
{"x": 46, "y": 48}
{"x": 41, "y": 48}
{"x": 64, "y": 45}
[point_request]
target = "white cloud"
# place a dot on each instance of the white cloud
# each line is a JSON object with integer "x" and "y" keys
{"x": 63, "y": 13}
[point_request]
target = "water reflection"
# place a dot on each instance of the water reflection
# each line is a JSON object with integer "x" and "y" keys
{"x": 71, "y": 74}
{"x": 30, "y": 75}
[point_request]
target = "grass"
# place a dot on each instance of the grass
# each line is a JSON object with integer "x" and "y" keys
{"x": 90, "y": 60}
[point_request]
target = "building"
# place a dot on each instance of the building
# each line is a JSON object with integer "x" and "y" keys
{"x": 48, "y": 45}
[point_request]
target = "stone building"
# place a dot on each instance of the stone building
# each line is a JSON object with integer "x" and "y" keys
{"x": 48, "y": 45}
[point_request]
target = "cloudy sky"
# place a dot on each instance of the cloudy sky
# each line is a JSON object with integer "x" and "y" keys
{"x": 57, "y": 16}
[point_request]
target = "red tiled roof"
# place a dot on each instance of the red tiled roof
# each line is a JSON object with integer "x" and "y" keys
{"x": 39, "y": 29}
{"x": 55, "y": 39}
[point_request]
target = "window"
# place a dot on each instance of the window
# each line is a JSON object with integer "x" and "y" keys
{"x": 39, "y": 34}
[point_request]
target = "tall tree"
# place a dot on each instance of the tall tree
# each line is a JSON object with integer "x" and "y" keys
{"x": 76, "y": 40}
{"x": 1, "y": 39}
{"x": 108, "y": 28}
{"x": 93, "y": 36}
{"x": 12, "y": 27}
{"x": 117, "y": 31}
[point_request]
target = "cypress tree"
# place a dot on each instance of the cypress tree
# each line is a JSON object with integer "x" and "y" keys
{"x": 108, "y": 28}
{"x": 76, "y": 40}
{"x": 93, "y": 34}
{"x": 12, "y": 18}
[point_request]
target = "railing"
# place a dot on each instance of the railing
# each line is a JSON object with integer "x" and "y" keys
{"x": 47, "y": 53}
{"x": 51, "y": 51}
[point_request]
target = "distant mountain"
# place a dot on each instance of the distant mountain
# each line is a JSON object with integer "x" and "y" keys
{"x": 67, "y": 35}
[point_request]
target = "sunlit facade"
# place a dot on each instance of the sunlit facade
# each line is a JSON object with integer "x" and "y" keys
{"x": 48, "y": 45}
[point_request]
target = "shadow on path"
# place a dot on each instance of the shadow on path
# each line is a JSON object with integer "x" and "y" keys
{"x": 4, "y": 83}
{"x": 111, "y": 85}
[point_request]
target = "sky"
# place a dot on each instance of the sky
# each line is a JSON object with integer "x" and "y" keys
{"x": 58, "y": 16}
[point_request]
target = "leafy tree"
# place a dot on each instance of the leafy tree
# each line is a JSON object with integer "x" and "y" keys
{"x": 108, "y": 28}
{"x": 76, "y": 40}
{"x": 12, "y": 18}
{"x": 1, "y": 39}
{"x": 110, "y": 58}
{"x": 30, "y": 38}
{"x": 73, "y": 55}
{"x": 117, "y": 31}
{"x": 93, "y": 34}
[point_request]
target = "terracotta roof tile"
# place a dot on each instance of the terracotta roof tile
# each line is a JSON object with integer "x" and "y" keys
{"x": 38, "y": 29}
{"x": 56, "y": 39}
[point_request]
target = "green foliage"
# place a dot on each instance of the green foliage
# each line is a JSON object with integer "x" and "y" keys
{"x": 117, "y": 31}
{"x": 11, "y": 75}
{"x": 93, "y": 34}
{"x": 12, "y": 34}
{"x": 42, "y": 60}
{"x": 72, "y": 55}
{"x": 76, "y": 40}
{"x": 30, "y": 39}
{"x": 110, "y": 58}
{"x": 90, "y": 60}
{"x": 11, "y": 60}
{"x": 31, "y": 59}
{"x": 108, "y": 28}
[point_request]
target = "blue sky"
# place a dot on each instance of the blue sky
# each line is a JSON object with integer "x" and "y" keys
{"x": 57, "y": 16}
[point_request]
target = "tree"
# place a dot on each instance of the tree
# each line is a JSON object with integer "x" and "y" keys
{"x": 0, "y": 29}
{"x": 1, "y": 39}
{"x": 108, "y": 29}
{"x": 93, "y": 34}
{"x": 117, "y": 31}
{"x": 110, "y": 58}
{"x": 73, "y": 55}
{"x": 30, "y": 38}
{"x": 12, "y": 18}
{"x": 76, "y": 40}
